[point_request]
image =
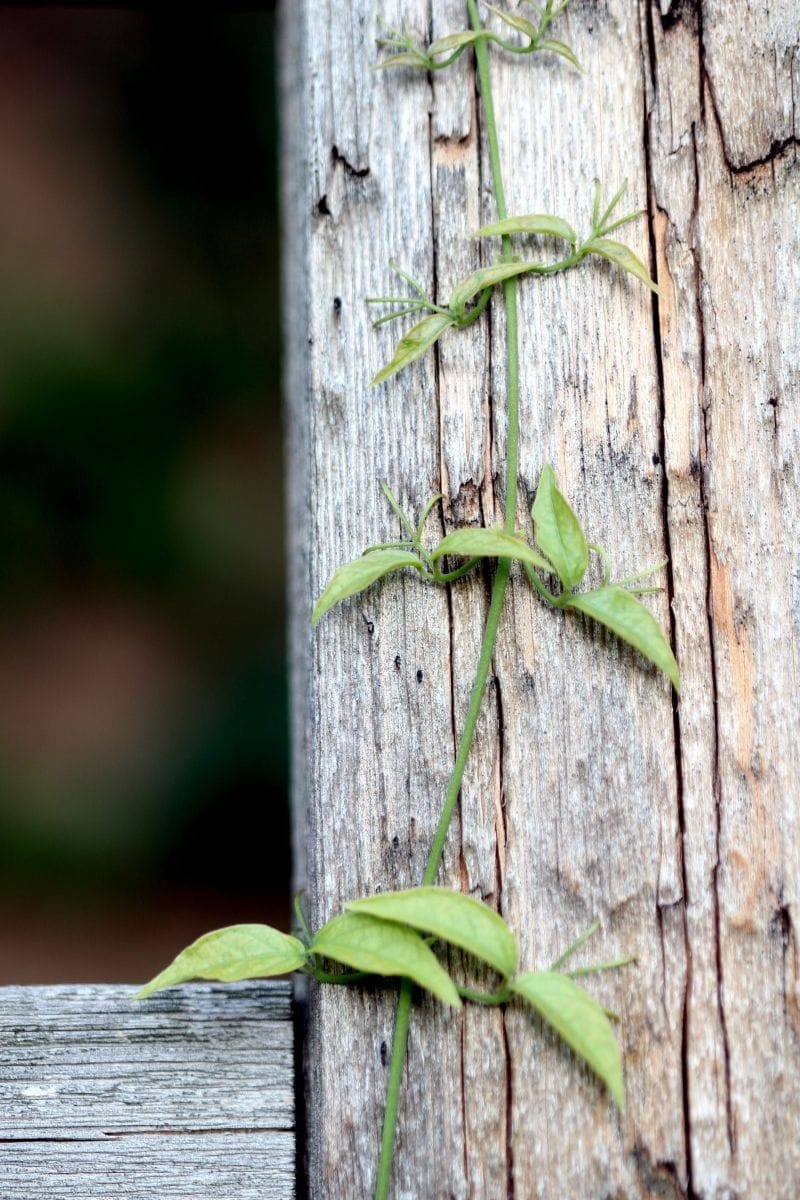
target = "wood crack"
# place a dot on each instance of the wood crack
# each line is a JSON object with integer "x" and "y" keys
{"x": 777, "y": 148}
{"x": 653, "y": 208}
{"x": 339, "y": 160}
{"x": 709, "y": 556}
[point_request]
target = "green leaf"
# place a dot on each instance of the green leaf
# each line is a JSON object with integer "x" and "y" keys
{"x": 579, "y": 1020}
{"x": 562, "y": 49}
{"x": 622, "y": 257}
{"x": 353, "y": 577}
{"x": 628, "y": 618}
{"x": 601, "y": 223}
{"x": 453, "y": 41}
{"x": 452, "y": 916}
{"x": 486, "y": 277}
{"x": 558, "y": 531}
{"x": 236, "y": 952}
{"x": 541, "y": 224}
{"x": 384, "y": 948}
{"x": 402, "y": 60}
{"x": 488, "y": 543}
{"x": 415, "y": 343}
{"x": 519, "y": 23}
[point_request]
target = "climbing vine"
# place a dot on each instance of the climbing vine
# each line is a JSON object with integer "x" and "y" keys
{"x": 395, "y": 934}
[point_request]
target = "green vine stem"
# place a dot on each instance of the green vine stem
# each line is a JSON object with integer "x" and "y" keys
{"x": 389, "y": 935}
{"x": 402, "y": 1019}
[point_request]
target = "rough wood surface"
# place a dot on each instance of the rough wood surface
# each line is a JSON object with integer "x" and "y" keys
{"x": 673, "y": 426}
{"x": 186, "y": 1096}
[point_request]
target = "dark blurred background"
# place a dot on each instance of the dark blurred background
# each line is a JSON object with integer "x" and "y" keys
{"x": 142, "y": 681}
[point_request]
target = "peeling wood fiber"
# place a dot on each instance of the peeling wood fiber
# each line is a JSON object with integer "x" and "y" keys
{"x": 673, "y": 426}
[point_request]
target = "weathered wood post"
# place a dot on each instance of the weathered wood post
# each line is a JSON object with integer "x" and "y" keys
{"x": 674, "y": 427}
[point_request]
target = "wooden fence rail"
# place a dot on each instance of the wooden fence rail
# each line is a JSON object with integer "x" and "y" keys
{"x": 186, "y": 1096}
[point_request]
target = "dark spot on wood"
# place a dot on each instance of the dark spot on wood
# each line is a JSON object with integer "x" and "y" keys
{"x": 322, "y": 206}
{"x": 397, "y": 662}
{"x": 419, "y": 674}
{"x": 782, "y": 924}
{"x": 680, "y": 12}
{"x": 369, "y": 624}
{"x": 395, "y": 842}
{"x": 656, "y": 459}
{"x": 337, "y": 305}
{"x": 384, "y": 1054}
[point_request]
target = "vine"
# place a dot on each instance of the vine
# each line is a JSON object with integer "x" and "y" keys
{"x": 391, "y": 935}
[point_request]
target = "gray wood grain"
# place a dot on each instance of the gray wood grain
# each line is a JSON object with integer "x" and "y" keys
{"x": 591, "y": 791}
{"x": 188, "y": 1094}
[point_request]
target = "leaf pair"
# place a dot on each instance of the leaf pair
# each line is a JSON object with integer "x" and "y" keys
{"x": 597, "y": 243}
{"x": 426, "y": 332}
{"x": 383, "y": 935}
{"x": 422, "y": 336}
{"x": 445, "y": 50}
{"x": 559, "y": 534}
{"x": 353, "y": 577}
{"x": 378, "y": 934}
{"x": 565, "y": 553}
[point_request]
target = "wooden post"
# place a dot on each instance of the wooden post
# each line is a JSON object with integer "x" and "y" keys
{"x": 673, "y": 427}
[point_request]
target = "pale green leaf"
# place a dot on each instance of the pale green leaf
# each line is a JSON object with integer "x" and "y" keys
{"x": 415, "y": 343}
{"x": 628, "y": 618}
{"x": 624, "y": 258}
{"x": 541, "y": 224}
{"x": 236, "y": 952}
{"x": 515, "y": 22}
{"x": 579, "y": 1020}
{"x": 558, "y": 531}
{"x": 384, "y": 948}
{"x": 486, "y": 277}
{"x": 560, "y": 48}
{"x": 353, "y": 577}
{"x": 488, "y": 543}
{"x": 452, "y": 916}
{"x": 452, "y": 41}
{"x": 402, "y": 60}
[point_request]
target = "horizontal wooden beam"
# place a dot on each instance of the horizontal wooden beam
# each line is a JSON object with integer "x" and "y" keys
{"x": 188, "y": 1094}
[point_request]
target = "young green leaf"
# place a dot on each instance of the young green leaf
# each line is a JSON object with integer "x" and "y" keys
{"x": 353, "y": 577}
{"x": 384, "y": 948}
{"x": 236, "y": 952}
{"x": 452, "y": 916}
{"x": 488, "y": 543}
{"x": 405, "y": 59}
{"x": 541, "y": 224}
{"x": 562, "y": 49}
{"x": 628, "y": 618}
{"x": 483, "y": 278}
{"x": 579, "y": 1020}
{"x": 622, "y": 257}
{"x": 411, "y": 347}
{"x": 519, "y": 23}
{"x": 452, "y": 41}
{"x": 558, "y": 531}
{"x": 600, "y": 225}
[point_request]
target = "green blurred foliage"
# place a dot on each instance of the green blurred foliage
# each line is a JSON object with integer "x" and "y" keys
{"x": 139, "y": 461}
